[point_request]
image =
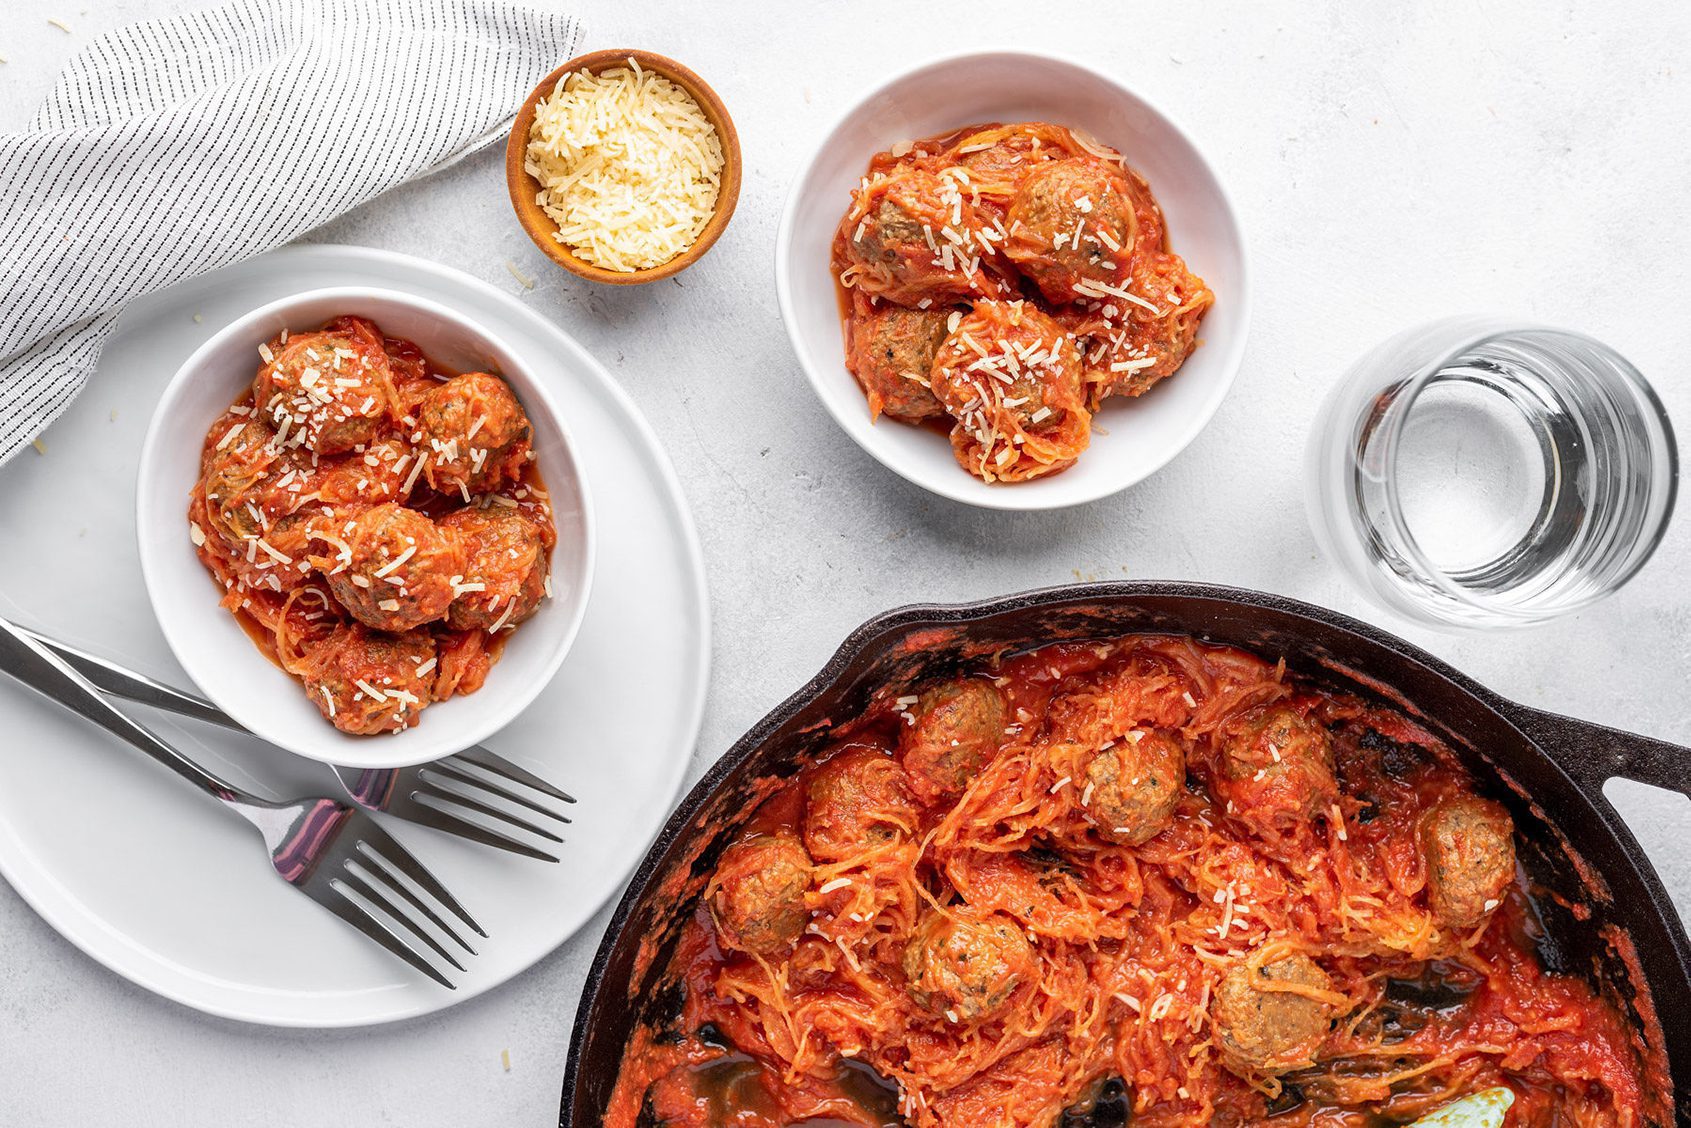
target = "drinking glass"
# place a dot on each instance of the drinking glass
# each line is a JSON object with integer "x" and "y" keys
{"x": 1477, "y": 472}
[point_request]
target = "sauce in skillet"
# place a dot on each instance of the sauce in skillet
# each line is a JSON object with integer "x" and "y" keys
{"x": 1143, "y": 880}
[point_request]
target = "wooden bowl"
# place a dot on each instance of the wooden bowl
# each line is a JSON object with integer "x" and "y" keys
{"x": 524, "y": 188}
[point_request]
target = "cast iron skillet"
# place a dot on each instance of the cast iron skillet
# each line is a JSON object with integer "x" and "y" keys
{"x": 1549, "y": 769}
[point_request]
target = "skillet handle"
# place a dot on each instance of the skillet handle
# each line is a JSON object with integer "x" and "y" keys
{"x": 1594, "y": 754}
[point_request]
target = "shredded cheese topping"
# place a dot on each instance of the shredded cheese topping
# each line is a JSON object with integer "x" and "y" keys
{"x": 629, "y": 166}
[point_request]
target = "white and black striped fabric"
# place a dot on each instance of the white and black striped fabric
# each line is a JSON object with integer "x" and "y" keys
{"x": 173, "y": 147}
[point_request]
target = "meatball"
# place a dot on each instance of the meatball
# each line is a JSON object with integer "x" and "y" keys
{"x": 1274, "y": 768}
{"x": 1071, "y": 229}
{"x": 241, "y": 472}
{"x": 291, "y": 537}
{"x": 393, "y": 568}
{"x": 858, "y": 799}
{"x": 475, "y": 434}
{"x": 505, "y": 553}
{"x": 1126, "y": 349}
{"x": 954, "y": 729}
{"x": 365, "y": 682}
{"x": 1263, "y": 1028}
{"x": 965, "y": 964}
{"x": 757, "y": 895}
{"x": 1032, "y": 370}
{"x": 329, "y": 391}
{"x": 1469, "y": 845}
{"x": 1011, "y": 378}
{"x": 1170, "y": 335}
{"x": 912, "y": 236}
{"x": 1132, "y": 786}
{"x": 891, "y": 352}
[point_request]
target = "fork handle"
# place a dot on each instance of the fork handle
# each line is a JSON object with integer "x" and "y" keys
{"x": 109, "y": 677}
{"x": 52, "y": 677}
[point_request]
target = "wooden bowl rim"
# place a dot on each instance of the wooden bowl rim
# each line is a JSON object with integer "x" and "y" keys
{"x": 523, "y": 187}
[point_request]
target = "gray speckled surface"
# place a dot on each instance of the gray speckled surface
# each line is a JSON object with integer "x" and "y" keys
{"x": 1390, "y": 165}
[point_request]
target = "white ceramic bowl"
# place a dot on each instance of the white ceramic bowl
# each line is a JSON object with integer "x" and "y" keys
{"x": 1139, "y": 435}
{"x": 211, "y": 645}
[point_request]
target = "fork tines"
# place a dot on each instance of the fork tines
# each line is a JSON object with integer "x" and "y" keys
{"x": 378, "y": 887}
{"x": 449, "y": 791}
{"x": 498, "y": 765}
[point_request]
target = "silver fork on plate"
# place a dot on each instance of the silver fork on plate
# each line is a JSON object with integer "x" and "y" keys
{"x": 333, "y": 852}
{"x": 424, "y": 794}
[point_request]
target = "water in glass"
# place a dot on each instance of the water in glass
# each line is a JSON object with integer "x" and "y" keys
{"x": 1480, "y": 474}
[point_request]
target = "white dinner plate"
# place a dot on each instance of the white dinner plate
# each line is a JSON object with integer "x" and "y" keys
{"x": 149, "y": 876}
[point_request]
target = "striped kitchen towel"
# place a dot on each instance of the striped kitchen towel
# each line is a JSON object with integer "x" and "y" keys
{"x": 177, "y": 146}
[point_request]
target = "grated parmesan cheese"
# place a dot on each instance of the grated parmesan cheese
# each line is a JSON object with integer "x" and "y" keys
{"x": 629, "y": 166}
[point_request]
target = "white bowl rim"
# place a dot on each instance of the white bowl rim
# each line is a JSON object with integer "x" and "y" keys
{"x": 409, "y": 746}
{"x": 967, "y": 488}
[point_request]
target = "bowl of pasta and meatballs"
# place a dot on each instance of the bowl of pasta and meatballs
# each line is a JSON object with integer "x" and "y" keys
{"x": 363, "y": 527}
{"x": 1013, "y": 281}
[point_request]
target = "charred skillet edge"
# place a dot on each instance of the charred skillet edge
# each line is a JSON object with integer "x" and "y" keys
{"x": 1558, "y": 737}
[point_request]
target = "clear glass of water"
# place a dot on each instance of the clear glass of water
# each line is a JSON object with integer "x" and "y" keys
{"x": 1484, "y": 473}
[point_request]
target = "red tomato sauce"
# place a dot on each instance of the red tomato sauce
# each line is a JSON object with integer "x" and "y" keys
{"x": 993, "y": 901}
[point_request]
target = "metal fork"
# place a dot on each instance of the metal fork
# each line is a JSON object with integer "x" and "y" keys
{"x": 334, "y": 853}
{"x": 426, "y": 794}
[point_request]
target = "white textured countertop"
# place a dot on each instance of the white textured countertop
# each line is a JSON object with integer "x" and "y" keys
{"x": 1390, "y": 164}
